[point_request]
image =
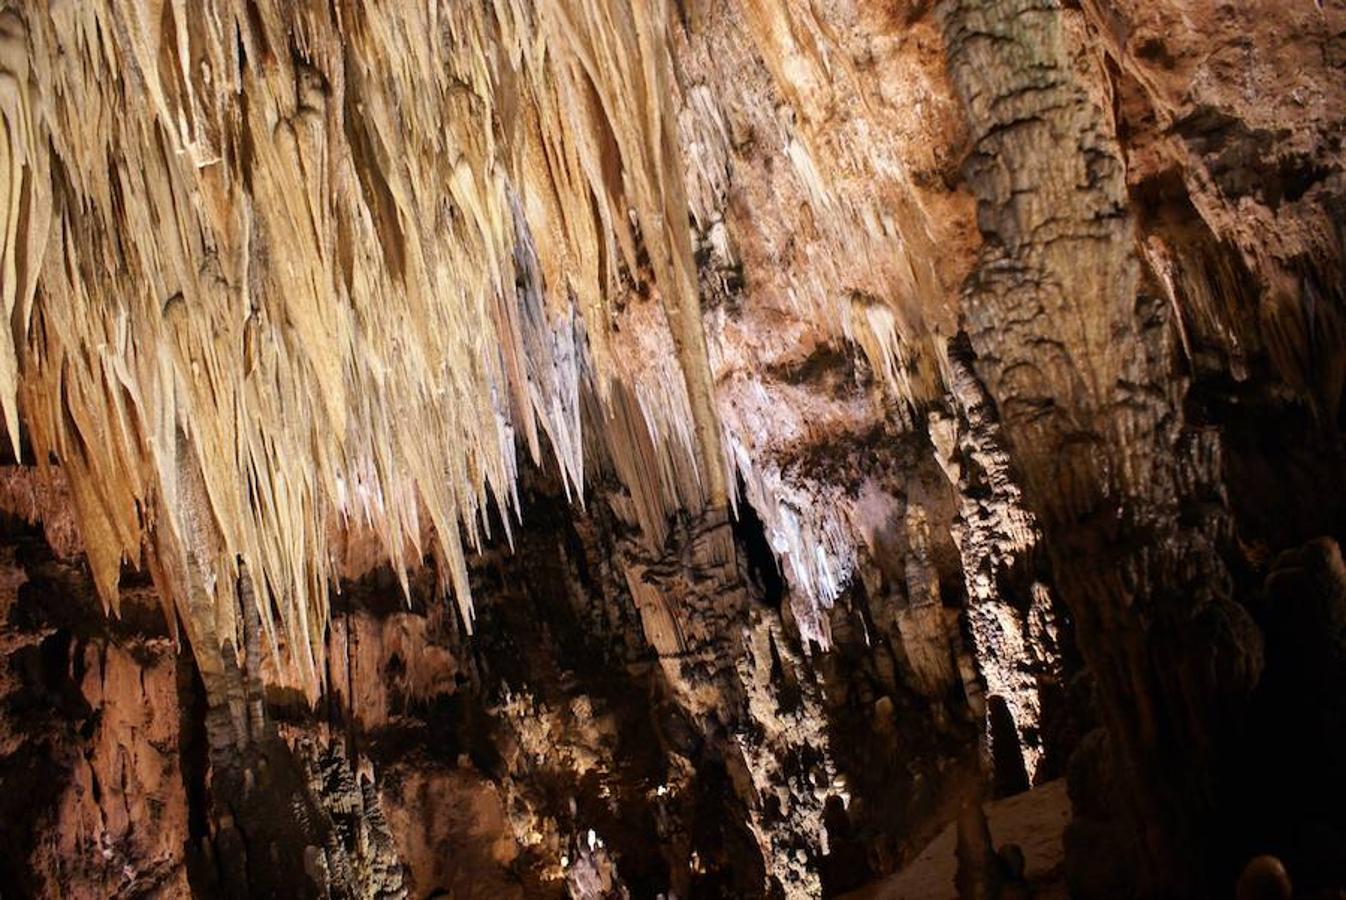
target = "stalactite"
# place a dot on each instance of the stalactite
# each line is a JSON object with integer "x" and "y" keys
{"x": 287, "y": 288}
{"x": 377, "y": 259}
{"x": 324, "y": 312}
{"x": 25, "y": 203}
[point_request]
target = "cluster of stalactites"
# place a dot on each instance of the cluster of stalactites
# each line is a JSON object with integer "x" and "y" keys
{"x": 277, "y": 268}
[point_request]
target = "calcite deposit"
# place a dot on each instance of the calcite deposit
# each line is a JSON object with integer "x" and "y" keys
{"x": 672, "y": 448}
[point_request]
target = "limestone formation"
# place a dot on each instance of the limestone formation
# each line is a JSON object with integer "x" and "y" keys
{"x": 683, "y": 448}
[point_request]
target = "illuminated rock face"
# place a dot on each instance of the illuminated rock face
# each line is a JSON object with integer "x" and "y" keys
{"x": 675, "y": 446}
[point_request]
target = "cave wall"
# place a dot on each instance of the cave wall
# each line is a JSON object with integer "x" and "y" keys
{"x": 571, "y": 745}
{"x": 1076, "y": 346}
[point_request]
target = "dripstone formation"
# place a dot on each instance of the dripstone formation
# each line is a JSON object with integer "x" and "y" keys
{"x": 672, "y": 448}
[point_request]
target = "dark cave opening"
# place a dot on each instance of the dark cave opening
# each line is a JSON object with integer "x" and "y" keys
{"x": 750, "y": 534}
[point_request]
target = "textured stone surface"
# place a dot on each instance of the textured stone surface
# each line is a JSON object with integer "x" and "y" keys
{"x": 825, "y": 414}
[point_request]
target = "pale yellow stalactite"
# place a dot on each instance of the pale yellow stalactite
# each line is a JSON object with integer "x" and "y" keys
{"x": 352, "y": 253}
{"x": 290, "y": 237}
{"x": 25, "y": 206}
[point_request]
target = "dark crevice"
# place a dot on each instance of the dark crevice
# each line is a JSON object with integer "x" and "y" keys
{"x": 763, "y": 570}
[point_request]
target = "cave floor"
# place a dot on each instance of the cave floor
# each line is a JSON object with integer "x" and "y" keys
{"x": 1035, "y": 820}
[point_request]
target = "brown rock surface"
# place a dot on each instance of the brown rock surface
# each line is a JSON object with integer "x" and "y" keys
{"x": 90, "y": 750}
